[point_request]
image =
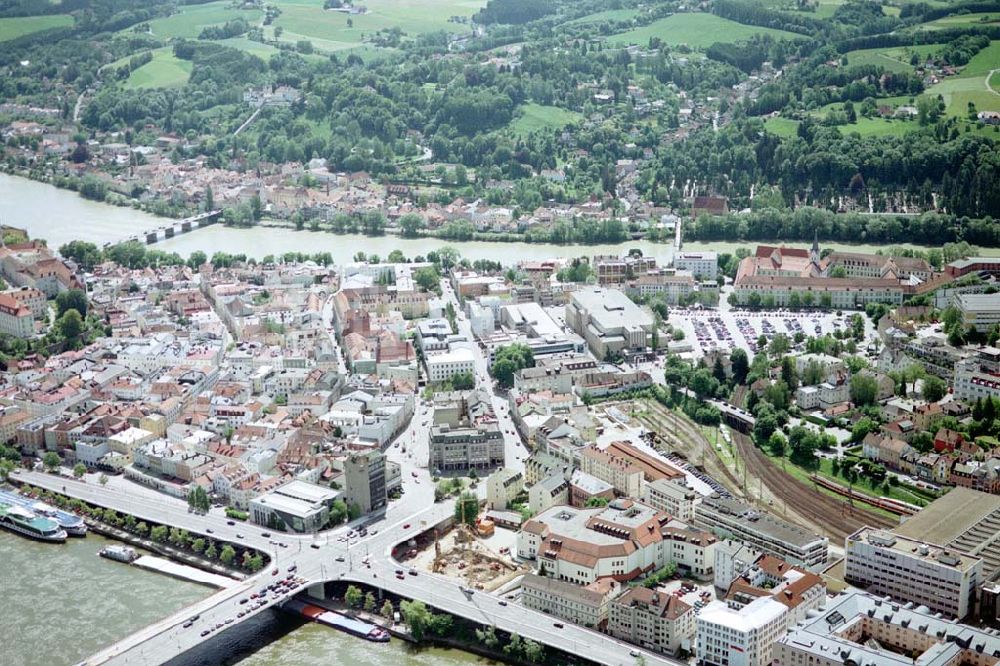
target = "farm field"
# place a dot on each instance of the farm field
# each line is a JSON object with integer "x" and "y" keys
{"x": 534, "y": 117}
{"x": 165, "y": 70}
{"x": 329, "y": 30}
{"x": 191, "y": 19}
{"x": 973, "y": 84}
{"x": 12, "y": 28}
{"x": 697, "y": 30}
{"x": 961, "y": 20}
{"x": 609, "y": 15}
{"x": 894, "y": 59}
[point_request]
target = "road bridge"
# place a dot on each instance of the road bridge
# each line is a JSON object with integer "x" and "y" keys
{"x": 173, "y": 228}
{"x": 319, "y": 559}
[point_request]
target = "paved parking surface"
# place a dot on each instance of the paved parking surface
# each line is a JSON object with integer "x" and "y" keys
{"x": 707, "y": 330}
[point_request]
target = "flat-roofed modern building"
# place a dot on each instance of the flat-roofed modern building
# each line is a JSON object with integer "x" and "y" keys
{"x": 980, "y": 311}
{"x": 704, "y": 265}
{"x": 728, "y": 636}
{"x": 609, "y": 321}
{"x": 761, "y": 530}
{"x": 942, "y": 579}
{"x": 296, "y": 506}
{"x": 364, "y": 481}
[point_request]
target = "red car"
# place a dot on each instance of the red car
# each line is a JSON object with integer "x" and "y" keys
{"x": 406, "y": 526}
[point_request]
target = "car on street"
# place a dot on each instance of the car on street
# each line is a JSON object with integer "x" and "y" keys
{"x": 339, "y": 558}
{"x": 503, "y": 603}
{"x": 314, "y": 545}
{"x": 210, "y": 530}
{"x": 413, "y": 572}
{"x": 406, "y": 526}
{"x": 265, "y": 534}
{"x": 230, "y": 522}
{"x": 205, "y": 633}
{"x": 239, "y": 535}
{"x": 557, "y": 625}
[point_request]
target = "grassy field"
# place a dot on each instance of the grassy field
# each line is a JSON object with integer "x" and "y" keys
{"x": 164, "y": 71}
{"x": 12, "y": 28}
{"x": 329, "y": 30}
{"x": 609, "y": 15}
{"x": 959, "y": 20}
{"x": 973, "y": 84}
{"x": 190, "y": 20}
{"x": 895, "y": 59}
{"x": 263, "y": 51}
{"x": 783, "y": 127}
{"x": 697, "y": 30}
{"x": 533, "y": 117}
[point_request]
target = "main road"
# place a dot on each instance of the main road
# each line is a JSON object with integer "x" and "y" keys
{"x": 515, "y": 451}
{"x": 317, "y": 559}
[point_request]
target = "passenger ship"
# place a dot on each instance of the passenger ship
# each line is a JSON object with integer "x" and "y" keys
{"x": 21, "y": 520}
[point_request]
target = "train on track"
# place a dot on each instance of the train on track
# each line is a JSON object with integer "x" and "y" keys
{"x": 897, "y": 507}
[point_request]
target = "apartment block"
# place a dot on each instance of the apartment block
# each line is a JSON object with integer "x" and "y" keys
{"x": 652, "y": 619}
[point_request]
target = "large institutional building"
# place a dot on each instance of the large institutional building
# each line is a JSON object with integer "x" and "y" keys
{"x": 609, "y": 321}
{"x": 783, "y": 276}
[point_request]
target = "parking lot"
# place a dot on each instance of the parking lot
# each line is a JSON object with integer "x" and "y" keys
{"x": 707, "y": 330}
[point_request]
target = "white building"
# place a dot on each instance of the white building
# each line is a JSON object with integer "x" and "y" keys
{"x": 704, "y": 265}
{"x": 743, "y": 637}
{"x": 442, "y": 366}
{"x": 942, "y": 579}
{"x": 548, "y": 492}
{"x": 502, "y": 487}
{"x": 673, "y": 496}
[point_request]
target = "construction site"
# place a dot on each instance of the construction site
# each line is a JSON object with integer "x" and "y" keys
{"x": 479, "y": 556}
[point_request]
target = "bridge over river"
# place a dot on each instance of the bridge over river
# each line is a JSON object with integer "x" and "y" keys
{"x": 321, "y": 558}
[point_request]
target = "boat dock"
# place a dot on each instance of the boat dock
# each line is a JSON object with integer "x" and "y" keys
{"x": 183, "y": 571}
{"x": 359, "y": 628}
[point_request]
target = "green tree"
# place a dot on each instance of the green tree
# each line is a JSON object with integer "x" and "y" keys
{"x": 51, "y": 461}
{"x": 353, "y": 596}
{"x": 103, "y": 480}
{"x": 70, "y": 325}
{"x": 508, "y": 360}
{"x": 73, "y": 299}
{"x": 387, "y": 610}
{"x": 417, "y": 618}
{"x": 159, "y": 534}
{"x": 934, "y": 388}
{"x": 227, "y": 555}
{"x": 776, "y": 444}
{"x": 79, "y": 470}
{"x": 370, "y": 602}
{"x": 467, "y": 508}
{"x": 211, "y": 552}
{"x": 863, "y": 389}
{"x": 740, "y": 365}
{"x": 6, "y": 468}
{"x": 198, "y": 545}
{"x": 142, "y": 529}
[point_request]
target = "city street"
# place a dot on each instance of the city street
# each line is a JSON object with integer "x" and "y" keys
{"x": 515, "y": 450}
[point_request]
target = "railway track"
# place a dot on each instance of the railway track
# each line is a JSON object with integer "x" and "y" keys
{"x": 834, "y": 517}
{"x": 672, "y": 429}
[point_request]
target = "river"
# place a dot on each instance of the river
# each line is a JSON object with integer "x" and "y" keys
{"x": 60, "y": 216}
{"x": 62, "y": 603}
